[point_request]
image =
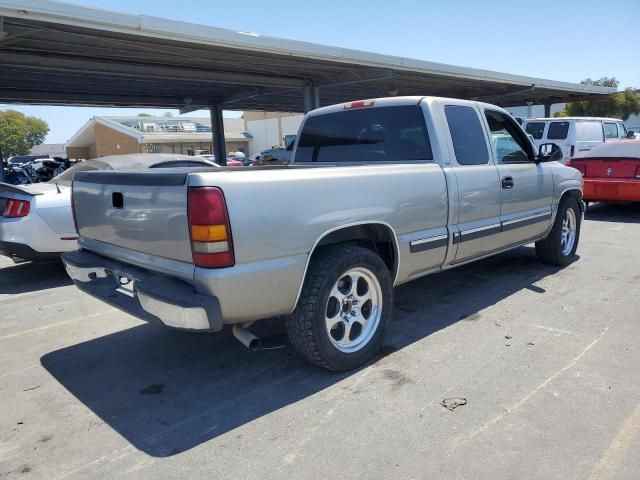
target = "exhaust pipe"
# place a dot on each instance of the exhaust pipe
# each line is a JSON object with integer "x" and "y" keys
{"x": 245, "y": 337}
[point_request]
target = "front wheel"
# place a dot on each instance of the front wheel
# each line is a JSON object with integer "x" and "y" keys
{"x": 344, "y": 308}
{"x": 559, "y": 248}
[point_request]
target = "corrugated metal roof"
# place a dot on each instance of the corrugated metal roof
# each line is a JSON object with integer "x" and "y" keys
{"x": 59, "y": 53}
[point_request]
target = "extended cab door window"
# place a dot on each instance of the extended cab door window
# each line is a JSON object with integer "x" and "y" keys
{"x": 466, "y": 134}
{"x": 370, "y": 134}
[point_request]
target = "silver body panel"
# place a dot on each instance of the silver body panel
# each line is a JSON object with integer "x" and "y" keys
{"x": 438, "y": 213}
{"x": 153, "y": 220}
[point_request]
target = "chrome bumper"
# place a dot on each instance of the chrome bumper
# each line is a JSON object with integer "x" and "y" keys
{"x": 150, "y": 297}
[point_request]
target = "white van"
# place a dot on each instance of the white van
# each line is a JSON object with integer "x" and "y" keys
{"x": 574, "y": 134}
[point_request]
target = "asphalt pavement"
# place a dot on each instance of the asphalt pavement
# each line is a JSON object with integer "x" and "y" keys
{"x": 540, "y": 368}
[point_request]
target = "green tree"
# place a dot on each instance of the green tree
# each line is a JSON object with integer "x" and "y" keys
{"x": 18, "y": 133}
{"x": 620, "y": 105}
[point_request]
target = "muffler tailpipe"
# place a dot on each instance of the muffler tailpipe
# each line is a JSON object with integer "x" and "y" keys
{"x": 246, "y": 338}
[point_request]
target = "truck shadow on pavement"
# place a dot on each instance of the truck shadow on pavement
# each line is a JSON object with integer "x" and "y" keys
{"x": 166, "y": 392}
{"x": 611, "y": 212}
{"x": 31, "y": 277}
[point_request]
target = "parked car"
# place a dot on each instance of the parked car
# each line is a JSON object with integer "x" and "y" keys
{"x": 36, "y": 221}
{"x": 26, "y": 169}
{"x": 575, "y": 135}
{"x": 20, "y": 159}
{"x": 275, "y": 156}
{"x": 380, "y": 192}
{"x": 254, "y": 158}
{"x": 232, "y": 161}
{"x": 611, "y": 172}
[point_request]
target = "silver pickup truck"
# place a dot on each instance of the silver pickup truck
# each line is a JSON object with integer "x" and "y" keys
{"x": 380, "y": 192}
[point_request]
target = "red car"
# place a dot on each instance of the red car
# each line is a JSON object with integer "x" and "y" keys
{"x": 611, "y": 172}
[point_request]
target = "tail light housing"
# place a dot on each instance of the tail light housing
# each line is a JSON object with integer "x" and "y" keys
{"x": 209, "y": 228}
{"x": 581, "y": 167}
{"x": 637, "y": 175}
{"x": 572, "y": 150}
{"x": 16, "y": 208}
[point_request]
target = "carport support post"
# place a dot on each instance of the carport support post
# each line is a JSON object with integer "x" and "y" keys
{"x": 217, "y": 134}
{"x": 547, "y": 110}
{"x": 311, "y": 97}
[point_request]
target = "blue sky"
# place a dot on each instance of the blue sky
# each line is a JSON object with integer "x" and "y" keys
{"x": 561, "y": 40}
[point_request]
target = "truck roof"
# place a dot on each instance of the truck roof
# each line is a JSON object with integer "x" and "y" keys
{"x": 560, "y": 119}
{"x": 394, "y": 102}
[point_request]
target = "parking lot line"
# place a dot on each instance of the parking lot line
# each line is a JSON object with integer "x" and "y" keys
{"x": 53, "y": 325}
{"x": 525, "y": 399}
{"x": 555, "y": 330}
{"x": 615, "y": 454}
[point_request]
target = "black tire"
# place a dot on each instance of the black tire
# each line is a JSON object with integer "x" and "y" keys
{"x": 549, "y": 250}
{"x": 306, "y": 326}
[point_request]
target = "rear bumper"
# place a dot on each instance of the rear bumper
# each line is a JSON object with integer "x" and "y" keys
{"x": 21, "y": 251}
{"x": 611, "y": 190}
{"x": 153, "y": 298}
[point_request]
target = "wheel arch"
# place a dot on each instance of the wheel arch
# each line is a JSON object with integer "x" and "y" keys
{"x": 377, "y": 236}
{"x": 571, "y": 192}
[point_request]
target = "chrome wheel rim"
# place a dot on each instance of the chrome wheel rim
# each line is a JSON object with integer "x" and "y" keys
{"x": 568, "y": 233}
{"x": 353, "y": 310}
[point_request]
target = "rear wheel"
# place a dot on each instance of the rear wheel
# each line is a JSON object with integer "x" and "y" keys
{"x": 344, "y": 308}
{"x": 559, "y": 248}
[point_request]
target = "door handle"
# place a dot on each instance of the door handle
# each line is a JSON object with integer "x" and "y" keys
{"x": 507, "y": 182}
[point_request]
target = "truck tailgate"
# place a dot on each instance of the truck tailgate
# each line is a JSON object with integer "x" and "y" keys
{"x": 141, "y": 211}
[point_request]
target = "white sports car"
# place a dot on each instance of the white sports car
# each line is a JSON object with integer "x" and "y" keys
{"x": 36, "y": 222}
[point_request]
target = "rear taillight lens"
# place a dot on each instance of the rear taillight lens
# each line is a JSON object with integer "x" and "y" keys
{"x": 16, "y": 208}
{"x": 638, "y": 173}
{"x": 581, "y": 167}
{"x": 572, "y": 150}
{"x": 209, "y": 228}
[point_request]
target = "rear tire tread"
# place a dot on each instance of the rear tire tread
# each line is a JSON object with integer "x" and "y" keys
{"x": 300, "y": 324}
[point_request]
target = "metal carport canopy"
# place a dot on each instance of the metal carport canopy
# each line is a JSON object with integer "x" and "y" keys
{"x": 56, "y": 53}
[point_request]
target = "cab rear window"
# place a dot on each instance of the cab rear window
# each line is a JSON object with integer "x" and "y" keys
{"x": 558, "y": 131}
{"x": 378, "y": 134}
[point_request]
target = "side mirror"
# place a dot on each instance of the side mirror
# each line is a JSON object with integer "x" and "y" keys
{"x": 631, "y": 134}
{"x": 549, "y": 152}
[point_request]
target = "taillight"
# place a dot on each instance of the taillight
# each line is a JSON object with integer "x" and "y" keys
{"x": 211, "y": 244}
{"x": 638, "y": 173}
{"x": 359, "y": 104}
{"x": 16, "y": 208}
{"x": 572, "y": 150}
{"x": 581, "y": 167}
